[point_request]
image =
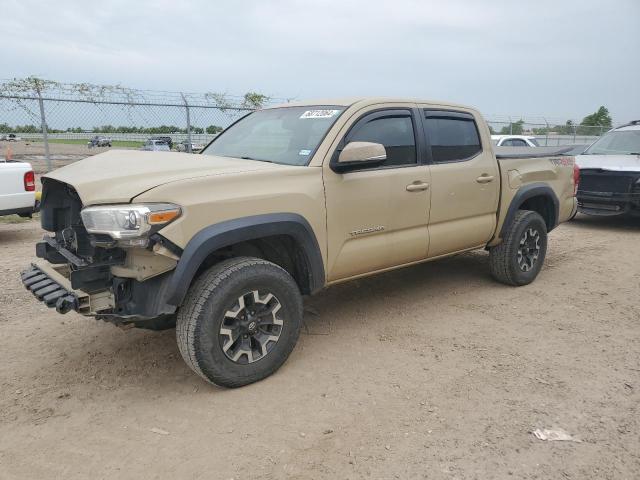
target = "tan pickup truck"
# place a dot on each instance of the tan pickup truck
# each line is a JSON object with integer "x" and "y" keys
{"x": 286, "y": 201}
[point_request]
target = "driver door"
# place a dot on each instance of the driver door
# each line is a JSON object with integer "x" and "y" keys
{"x": 377, "y": 217}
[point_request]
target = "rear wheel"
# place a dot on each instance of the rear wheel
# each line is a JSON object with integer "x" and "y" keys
{"x": 240, "y": 321}
{"x": 519, "y": 258}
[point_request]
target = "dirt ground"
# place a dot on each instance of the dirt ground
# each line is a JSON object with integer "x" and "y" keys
{"x": 62, "y": 154}
{"x": 27, "y": 147}
{"x": 433, "y": 372}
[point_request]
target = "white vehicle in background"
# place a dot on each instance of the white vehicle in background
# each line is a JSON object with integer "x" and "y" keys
{"x": 184, "y": 147}
{"x": 17, "y": 188}
{"x": 10, "y": 137}
{"x": 156, "y": 146}
{"x": 514, "y": 141}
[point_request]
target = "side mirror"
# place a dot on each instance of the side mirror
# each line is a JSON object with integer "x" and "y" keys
{"x": 356, "y": 155}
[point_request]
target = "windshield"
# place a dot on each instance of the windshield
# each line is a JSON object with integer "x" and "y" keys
{"x": 618, "y": 142}
{"x": 288, "y": 135}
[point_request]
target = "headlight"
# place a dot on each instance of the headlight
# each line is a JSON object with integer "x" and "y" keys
{"x": 131, "y": 224}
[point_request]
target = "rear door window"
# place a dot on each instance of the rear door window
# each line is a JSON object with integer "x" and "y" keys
{"x": 453, "y": 136}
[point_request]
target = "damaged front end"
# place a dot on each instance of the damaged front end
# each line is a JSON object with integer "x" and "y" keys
{"x": 109, "y": 262}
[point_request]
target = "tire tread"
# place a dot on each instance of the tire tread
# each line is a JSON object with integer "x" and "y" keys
{"x": 191, "y": 310}
{"x": 501, "y": 256}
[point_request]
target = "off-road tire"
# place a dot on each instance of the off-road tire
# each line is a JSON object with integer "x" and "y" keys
{"x": 204, "y": 310}
{"x": 503, "y": 258}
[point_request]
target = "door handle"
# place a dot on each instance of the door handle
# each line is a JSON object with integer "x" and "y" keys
{"x": 485, "y": 178}
{"x": 417, "y": 186}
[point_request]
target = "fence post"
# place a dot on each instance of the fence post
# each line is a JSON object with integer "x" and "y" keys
{"x": 546, "y": 133}
{"x": 45, "y": 135}
{"x": 186, "y": 106}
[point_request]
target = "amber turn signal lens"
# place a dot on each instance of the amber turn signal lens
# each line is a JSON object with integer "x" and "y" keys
{"x": 156, "y": 218}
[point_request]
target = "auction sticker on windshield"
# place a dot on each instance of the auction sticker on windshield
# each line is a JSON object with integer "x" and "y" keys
{"x": 320, "y": 113}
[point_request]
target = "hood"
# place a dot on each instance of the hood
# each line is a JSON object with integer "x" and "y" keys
{"x": 119, "y": 175}
{"x": 614, "y": 163}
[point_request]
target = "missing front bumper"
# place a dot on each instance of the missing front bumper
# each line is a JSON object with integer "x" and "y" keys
{"x": 49, "y": 291}
{"x": 54, "y": 289}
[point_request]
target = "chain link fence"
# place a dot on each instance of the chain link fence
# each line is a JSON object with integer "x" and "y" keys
{"x": 65, "y": 114}
{"x": 57, "y": 116}
{"x": 547, "y": 132}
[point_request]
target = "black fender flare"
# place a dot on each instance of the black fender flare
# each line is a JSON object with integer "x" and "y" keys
{"x": 229, "y": 232}
{"x": 523, "y": 194}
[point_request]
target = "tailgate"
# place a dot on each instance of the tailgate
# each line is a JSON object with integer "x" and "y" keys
{"x": 12, "y": 191}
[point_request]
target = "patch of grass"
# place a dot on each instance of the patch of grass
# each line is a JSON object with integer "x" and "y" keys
{"x": 79, "y": 141}
{"x": 14, "y": 219}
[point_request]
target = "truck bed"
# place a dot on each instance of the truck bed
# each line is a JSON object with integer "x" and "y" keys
{"x": 504, "y": 153}
{"x": 521, "y": 171}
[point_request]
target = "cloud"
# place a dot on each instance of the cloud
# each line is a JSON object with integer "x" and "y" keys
{"x": 559, "y": 59}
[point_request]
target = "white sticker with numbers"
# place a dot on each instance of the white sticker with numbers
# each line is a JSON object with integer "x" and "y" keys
{"x": 320, "y": 113}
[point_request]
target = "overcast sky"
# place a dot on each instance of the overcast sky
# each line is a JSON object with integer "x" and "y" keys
{"x": 556, "y": 58}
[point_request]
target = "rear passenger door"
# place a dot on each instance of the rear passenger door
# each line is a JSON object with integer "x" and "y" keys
{"x": 464, "y": 182}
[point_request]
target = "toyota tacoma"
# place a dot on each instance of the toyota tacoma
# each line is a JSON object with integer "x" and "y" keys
{"x": 287, "y": 201}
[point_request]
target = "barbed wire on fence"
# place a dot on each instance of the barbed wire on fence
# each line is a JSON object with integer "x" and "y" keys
{"x": 93, "y": 93}
{"x": 43, "y": 109}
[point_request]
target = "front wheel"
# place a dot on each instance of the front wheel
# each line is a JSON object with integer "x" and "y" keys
{"x": 519, "y": 258}
{"x": 240, "y": 321}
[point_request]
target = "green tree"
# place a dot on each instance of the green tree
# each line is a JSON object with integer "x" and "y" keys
{"x": 596, "y": 123}
{"x": 600, "y": 118}
{"x": 515, "y": 128}
{"x": 213, "y": 129}
{"x": 568, "y": 128}
{"x": 254, "y": 100}
{"x": 27, "y": 129}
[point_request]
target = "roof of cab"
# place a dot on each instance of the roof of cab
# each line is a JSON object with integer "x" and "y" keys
{"x": 632, "y": 125}
{"x": 364, "y": 101}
